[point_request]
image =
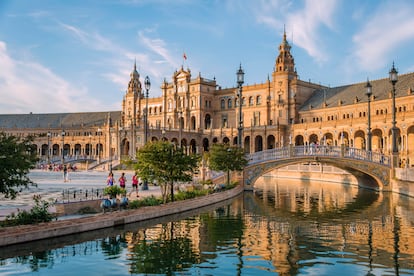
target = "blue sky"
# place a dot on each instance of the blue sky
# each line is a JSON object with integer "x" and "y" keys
{"x": 75, "y": 56}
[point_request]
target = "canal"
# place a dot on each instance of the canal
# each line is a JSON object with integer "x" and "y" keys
{"x": 284, "y": 227}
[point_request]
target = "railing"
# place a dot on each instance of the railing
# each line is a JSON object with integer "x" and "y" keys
{"x": 74, "y": 195}
{"x": 313, "y": 150}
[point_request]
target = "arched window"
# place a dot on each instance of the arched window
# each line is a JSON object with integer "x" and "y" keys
{"x": 223, "y": 104}
{"x": 229, "y": 103}
{"x": 258, "y": 100}
{"x": 251, "y": 100}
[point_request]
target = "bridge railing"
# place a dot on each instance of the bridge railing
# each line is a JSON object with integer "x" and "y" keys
{"x": 317, "y": 150}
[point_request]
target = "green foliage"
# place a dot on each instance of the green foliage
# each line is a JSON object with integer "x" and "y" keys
{"x": 39, "y": 213}
{"x": 147, "y": 201}
{"x": 17, "y": 157}
{"x": 183, "y": 195}
{"x": 165, "y": 164}
{"x": 113, "y": 191}
{"x": 225, "y": 158}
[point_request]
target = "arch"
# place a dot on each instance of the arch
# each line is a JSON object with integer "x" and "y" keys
{"x": 247, "y": 144}
{"x": 235, "y": 141}
{"x": 299, "y": 140}
{"x": 154, "y": 139}
{"x": 359, "y": 140}
{"x": 78, "y": 149}
{"x": 66, "y": 150}
{"x": 207, "y": 121}
{"x": 55, "y": 150}
{"x": 313, "y": 138}
{"x": 206, "y": 146}
{"x": 258, "y": 143}
{"x": 193, "y": 146}
{"x": 271, "y": 142}
{"x": 363, "y": 171}
{"x": 377, "y": 140}
{"x": 43, "y": 150}
{"x": 229, "y": 103}
{"x": 215, "y": 140}
{"x": 328, "y": 139}
{"x": 124, "y": 147}
{"x": 226, "y": 140}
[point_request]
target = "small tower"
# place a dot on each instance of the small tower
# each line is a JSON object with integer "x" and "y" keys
{"x": 131, "y": 102}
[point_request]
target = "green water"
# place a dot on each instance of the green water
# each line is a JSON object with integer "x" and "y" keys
{"x": 284, "y": 227}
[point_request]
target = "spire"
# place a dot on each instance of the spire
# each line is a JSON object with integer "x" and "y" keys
{"x": 284, "y": 33}
{"x": 285, "y": 61}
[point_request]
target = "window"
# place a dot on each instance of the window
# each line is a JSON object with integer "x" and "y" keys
{"x": 251, "y": 101}
{"x": 258, "y": 100}
{"x": 222, "y": 104}
{"x": 229, "y": 103}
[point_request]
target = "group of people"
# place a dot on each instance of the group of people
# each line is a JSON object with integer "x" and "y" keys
{"x": 122, "y": 181}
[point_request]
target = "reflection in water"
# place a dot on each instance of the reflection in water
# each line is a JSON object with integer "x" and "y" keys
{"x": 285, "y": 227}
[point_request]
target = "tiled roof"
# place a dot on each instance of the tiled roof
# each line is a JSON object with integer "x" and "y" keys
{"x": 57, "y": 120}
{"x": 347, "y": 94}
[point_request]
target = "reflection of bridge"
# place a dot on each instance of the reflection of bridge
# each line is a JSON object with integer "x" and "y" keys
{"x": 372, "y": 170}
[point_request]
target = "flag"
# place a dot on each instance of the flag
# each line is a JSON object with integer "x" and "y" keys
{"x": 184, "y": 56}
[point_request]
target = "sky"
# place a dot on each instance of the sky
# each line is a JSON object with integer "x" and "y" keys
{"x": 76, "y": 56}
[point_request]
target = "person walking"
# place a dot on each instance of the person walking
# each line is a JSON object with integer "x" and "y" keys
{"x": 110, "y": 179}
{"x": 65, "y": 173}
{"x": 122, "y": 181}
{"x": 135, "y": 181}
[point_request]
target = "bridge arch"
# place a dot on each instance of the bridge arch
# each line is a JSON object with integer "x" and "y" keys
{"x": 371, "y": 170}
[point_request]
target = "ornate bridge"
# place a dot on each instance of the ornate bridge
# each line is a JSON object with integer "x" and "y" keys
{"x": 372, "y": 170}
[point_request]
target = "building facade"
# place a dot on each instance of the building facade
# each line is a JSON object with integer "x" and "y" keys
{"x": 196, "y": 112}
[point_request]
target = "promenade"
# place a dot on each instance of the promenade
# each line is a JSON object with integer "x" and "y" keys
{"x": 50, "y": 186}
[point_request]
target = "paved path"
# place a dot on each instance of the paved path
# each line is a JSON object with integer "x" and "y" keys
{"x": 50, "y": 186}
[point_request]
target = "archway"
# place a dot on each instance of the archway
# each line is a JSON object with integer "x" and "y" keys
{"x": 207, "y": 121}
{"x": 226, "y": 140}
{"x": 271, "y": 142}
{"x": 359, "y": 140}
{"x": 299, "y": 141}
{"x": 258, "y": 143}
{"x": 206, "y": 146}
{"x": 247, "y": 144}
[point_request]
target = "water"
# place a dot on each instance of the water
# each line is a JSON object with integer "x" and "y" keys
{"x": 285, "y": 227}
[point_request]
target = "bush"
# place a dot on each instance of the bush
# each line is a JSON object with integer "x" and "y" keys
{"x": 183, "y": 195}
{"x": 113, "y": 191}
{"x": 39, "y": 213}
{"x": 147, "y": 201}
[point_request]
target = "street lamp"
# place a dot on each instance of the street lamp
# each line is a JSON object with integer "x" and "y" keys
{"x": 240, "y": 81}
{"x": 48, "y": 146}
{"x": 63, "y": 146}
{"x": 147, "y": 84}
{"x": 393, "y": 79}
{"x": 368, "y": 92}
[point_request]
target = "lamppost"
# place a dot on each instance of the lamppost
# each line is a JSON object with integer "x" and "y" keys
{"x": 99, "y": 145}
{"x": 368, "y": 92}
{"x": 393, "y": 79}
{"x": 147, "y": 84}
{"x": 48, "y": 146}
{"x": 63, "y": 147}
{"x": 240, "y": 81}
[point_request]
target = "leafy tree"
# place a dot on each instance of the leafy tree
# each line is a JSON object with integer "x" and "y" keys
{"x": 17, "y": 157}
{"x": 165, "y": 164}
{"x": 225, "y": 158}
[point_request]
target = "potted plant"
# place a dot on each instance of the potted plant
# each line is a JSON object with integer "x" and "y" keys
{"x": 113, "y": 191}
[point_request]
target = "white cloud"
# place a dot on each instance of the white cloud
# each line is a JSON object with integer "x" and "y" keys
{"x": 304, "y": 23}
{"x": 27, "y": 87}
{"x": 389, "y": 27}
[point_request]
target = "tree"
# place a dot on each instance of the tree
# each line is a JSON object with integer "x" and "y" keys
{"x": 17, "y": 157}
{"x": 225, "y": 158}
{"x": 165, "y": 164}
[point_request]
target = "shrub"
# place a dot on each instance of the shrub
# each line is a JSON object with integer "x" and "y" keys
{"x": 147, "y": 201}
{"x": 39, "y": 213}
{"x": 113, "y": 191}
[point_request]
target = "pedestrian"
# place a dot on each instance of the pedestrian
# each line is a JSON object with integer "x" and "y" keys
{"x": 65, "y": 173}
{"x": 135, "y": 181}
{"x": 110, "y": 179}
{"x": 122, "y": 181}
